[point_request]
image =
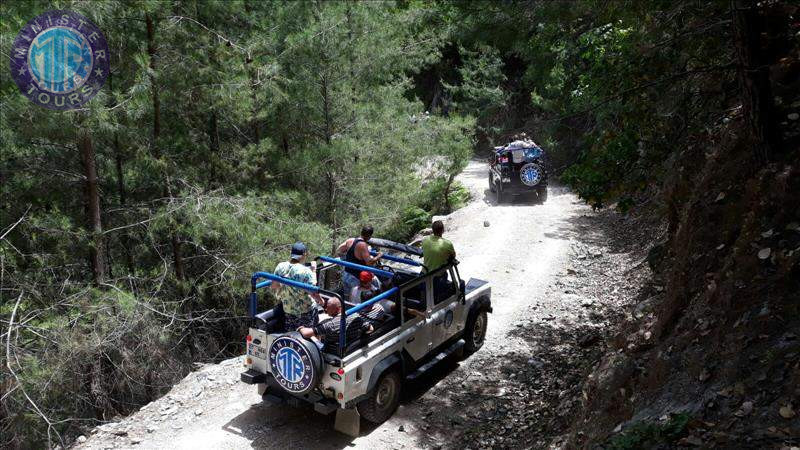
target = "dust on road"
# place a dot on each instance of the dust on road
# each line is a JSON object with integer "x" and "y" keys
{"x": 512, "y": 387}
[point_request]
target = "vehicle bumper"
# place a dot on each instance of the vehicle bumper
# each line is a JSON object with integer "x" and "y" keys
{"x": 519, "y": 188}
{"x": 253, "y": 377}
{"x": 277, "y": 396}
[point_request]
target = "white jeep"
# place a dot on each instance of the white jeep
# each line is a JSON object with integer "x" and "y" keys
{"x": 363, "y": 378}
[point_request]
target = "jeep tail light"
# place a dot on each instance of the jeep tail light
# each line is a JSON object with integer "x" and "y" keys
{"x": 504, "y": 159}
{"x": 248, "y": 338}
{"x": 340, "y": 371}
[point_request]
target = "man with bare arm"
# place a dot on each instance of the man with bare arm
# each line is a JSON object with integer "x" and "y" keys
{"x": 356, "y": 250}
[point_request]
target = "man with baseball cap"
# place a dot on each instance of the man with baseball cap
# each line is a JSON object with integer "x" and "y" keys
{"x": 298, "y": 306}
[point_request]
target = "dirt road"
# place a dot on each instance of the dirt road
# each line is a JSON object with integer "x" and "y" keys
{"x": 515, "y": 392}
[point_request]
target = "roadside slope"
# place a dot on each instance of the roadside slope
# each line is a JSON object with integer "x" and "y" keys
{"x": 550, "y": 310}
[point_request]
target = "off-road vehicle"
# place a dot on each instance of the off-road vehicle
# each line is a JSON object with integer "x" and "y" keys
{"x": 518, "y": 168}
{"x": 364, "y": 377}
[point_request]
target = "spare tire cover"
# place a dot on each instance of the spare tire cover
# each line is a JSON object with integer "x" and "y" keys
{"x": 530, "y": 174}
{"x": 295, "y": 363}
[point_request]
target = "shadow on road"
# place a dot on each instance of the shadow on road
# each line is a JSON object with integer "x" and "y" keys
{"x": 269, "y": 426}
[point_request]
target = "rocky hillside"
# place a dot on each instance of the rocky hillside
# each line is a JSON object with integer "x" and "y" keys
{"x": 711, "y": 355}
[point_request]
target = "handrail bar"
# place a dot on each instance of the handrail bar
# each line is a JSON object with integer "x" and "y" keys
{"x": 355, "y": 309}
{"x": 373, "y": 270}
{"x": 371, "y": 301}
{"x": 271, "y": 277}
{"x": 410, "y": 262}
{"x": 286, "y": 281}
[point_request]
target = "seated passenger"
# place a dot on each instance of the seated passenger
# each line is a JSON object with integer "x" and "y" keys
{"x": 368, "y": 287}
{"x": 298, "y": 305}
{"x": 327, "y": 331}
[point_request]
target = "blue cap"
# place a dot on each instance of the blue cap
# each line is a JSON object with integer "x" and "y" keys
{"x": 298, "y": 250}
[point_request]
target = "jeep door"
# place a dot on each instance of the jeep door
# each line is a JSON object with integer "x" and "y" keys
{"x": 447, "y": 315}
{"x": 418, "y": 296}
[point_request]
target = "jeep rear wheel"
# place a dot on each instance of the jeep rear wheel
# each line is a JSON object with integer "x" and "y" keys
{"x": 383, "y": 400}
{"x": 491, "y": 183}
{"x": 542, "y": 194}
{"x": 475, "y": 332}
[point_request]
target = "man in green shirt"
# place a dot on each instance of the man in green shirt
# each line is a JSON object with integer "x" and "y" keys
{"x": 436, "y": 250}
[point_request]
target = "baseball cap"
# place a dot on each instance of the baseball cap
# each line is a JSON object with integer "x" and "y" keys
{"x": 298, "y": 250}
{"x": 365, "y": 276}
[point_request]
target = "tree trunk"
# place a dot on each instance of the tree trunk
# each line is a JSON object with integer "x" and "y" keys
{"x": 124, "y": 241}
{"x": 177, "y": 259}
{"x": 756, "y": 92}
{"x": 254, "y": 125}
{"x": 151, "y": 52}
{"x": 447, "y": 192}
{"x": 96, "y": 247}
{"x": 213, "y": 145}
{"x": 326, "y": 108}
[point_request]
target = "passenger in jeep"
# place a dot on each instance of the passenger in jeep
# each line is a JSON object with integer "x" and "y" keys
{"x": 437, "y": 252}
{"x": 298, "y": 306}
{"x": 356, "y": 250}
{"x": 368, "y": 287}
{"x": 328, "y": 330}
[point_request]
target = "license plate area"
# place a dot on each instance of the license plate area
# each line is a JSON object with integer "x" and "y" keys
{"x": 257, "y": 351}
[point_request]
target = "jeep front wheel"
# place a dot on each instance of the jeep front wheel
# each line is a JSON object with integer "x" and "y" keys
{"x": 383, "y": 400}
{"x": 475, "y": 332}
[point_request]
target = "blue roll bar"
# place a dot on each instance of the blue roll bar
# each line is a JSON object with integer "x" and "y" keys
{"x": 253, "y": 304}
{"x": 355, "y": 309}
{"x": 371, "y": 301}
{"x": 379, "y": 272}
{"x": 410, "y": 262}
{"x": 282, "y": 280}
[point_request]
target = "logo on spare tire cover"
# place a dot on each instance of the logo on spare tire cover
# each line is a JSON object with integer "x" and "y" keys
{"x": 530, "y": 174}
{"x": 291, "y": 364}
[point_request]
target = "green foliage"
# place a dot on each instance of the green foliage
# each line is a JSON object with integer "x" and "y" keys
{"x": 428, "y": 203}
{"x": 648, "y": 434}
{"x": 598, "y": 171}
{"x": 277, "y": 122}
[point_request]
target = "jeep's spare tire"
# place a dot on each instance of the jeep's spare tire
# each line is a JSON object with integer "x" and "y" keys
{"x": 295, "y": 363}
{"x": 531, "y": 174}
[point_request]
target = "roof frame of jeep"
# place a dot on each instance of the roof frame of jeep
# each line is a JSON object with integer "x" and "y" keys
{"x": 271, "y": 277}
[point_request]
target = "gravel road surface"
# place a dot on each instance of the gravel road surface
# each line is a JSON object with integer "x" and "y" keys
{"x": 551, "y": 294}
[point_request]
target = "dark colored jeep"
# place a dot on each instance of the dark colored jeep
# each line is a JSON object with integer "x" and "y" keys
{"x": 518, "y": 168}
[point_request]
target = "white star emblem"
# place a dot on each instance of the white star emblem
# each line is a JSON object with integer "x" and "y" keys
{"x": 98, "y": 72}
{"x": 22, "y": 70}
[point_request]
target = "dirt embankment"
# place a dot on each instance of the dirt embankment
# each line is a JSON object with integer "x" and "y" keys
{"x": 712, "y": 356}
